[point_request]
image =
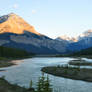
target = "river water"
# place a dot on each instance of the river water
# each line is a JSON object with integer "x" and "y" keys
{"x": 29, "y": 69}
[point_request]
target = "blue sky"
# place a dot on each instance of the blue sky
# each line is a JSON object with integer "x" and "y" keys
{"x": 52, "y": 17}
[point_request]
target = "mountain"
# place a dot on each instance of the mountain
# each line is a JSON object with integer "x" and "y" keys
{"x": 16, "y": 33}
{"x": 84, "y": 42}
{"x": 67, "y": 39}
{"x": 14, "y": 24}
{"x": 86, "y": 34}
{"x": 75, "y": 44}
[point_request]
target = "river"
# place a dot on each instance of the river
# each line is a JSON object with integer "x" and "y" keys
{"x": 29, "y": 69}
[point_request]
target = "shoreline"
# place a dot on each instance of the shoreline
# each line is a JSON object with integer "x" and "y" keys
{"x": 7, "y": 62}
{"x": 5, "y": 86}
{"x": 79, "y": 62}
{"x": 69, "y": 72}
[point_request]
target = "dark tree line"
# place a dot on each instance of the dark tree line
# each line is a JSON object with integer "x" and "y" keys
{"x": 87, "y": 51}
{"x": 12, "y": 52}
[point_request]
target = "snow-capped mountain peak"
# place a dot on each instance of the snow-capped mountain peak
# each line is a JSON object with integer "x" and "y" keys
{"x": 87, "y": 33}
{"x": 64, "y": 37}
{"x": 67, "y": 38}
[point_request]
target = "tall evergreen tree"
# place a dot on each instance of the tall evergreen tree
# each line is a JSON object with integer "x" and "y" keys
{"x": 43, "y": 84}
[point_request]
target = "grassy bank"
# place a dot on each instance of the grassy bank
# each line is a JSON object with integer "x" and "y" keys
{"x": 70, "y": 72}
{"x": 7, "y": 87}
{"x": 6, "y": 63}
{"x": 80, "y": 63}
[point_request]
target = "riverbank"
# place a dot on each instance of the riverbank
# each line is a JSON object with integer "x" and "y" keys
{"x": 75, "y": 56}
{"x": 5, "y": 86}
{"x": 6, "y": 62}
{"x": 70, "y": 72}
{"x": 80, "y": 62}
{"x": 43, "y": 85}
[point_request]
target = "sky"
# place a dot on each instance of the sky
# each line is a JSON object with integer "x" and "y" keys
{"x": 52, "y": 17}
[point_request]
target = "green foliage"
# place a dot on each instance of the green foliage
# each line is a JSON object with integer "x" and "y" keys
{"x": 43, "y": 84}
{"x": 47, "y": 85}
{"x": 87, "y": 51}
{"x": 12, "y": 52}
{"x": 31, "y": 84}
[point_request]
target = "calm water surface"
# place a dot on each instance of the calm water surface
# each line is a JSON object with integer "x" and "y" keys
{"x": 29, "y": 69}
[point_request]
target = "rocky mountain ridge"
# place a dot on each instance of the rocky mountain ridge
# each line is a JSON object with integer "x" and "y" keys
{"x": 15, "y": 24}
{"x": 16, "y": 33}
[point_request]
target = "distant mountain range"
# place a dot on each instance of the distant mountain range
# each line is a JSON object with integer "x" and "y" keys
{"x": 83, "y": 41}
{"x": 16, "y": 33}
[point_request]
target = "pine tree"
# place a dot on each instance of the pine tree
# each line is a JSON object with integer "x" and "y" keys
{"x": 47, "y": 85}
{"x": 31, "y": 84}
{"x": 39, "y": 85}
{"x": 43, "y": 84}
{"x": 31, "y": 89}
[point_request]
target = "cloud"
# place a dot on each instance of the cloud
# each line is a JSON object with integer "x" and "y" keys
{"x": 15, "y": 6}
{"x": 33, "y": 11}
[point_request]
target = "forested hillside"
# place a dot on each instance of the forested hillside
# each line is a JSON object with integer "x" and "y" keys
{"x": 84, "y": 52}
{"x": 12, "y": 52}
